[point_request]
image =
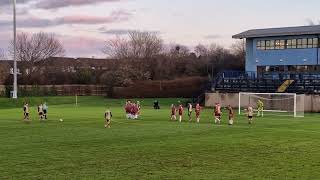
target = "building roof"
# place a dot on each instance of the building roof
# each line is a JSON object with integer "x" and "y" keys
{"x": 285, "y": 31}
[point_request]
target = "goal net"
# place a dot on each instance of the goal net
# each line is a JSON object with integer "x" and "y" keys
{"x": 280, "y": 104}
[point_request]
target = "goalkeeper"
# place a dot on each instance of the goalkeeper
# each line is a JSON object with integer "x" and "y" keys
{"x": 260, "y": 108}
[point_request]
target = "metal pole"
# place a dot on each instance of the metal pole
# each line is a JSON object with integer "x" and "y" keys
{"x": 15, "y": 84}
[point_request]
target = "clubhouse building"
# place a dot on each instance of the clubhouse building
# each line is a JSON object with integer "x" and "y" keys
{"x": 282, "y": 50}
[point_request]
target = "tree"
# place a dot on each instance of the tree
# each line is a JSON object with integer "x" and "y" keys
{"x": 137, "y": 45}
{"x": 239, "y": 50}
{"x": 178, "y": 51}
{"x": 118, "y": 48}
{"x": 3, "y": 55}
{"x": 145, "y": 44}
{"x": 201, "y": 50}
{"x": 36, "y": 48}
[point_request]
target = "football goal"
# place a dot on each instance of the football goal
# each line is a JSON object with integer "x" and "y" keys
{"x": 279, "y": 104}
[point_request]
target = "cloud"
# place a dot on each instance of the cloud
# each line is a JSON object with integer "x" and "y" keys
{"x": 9, "y": 2}
{"x": 81, "y": 46}
{"x": 213, "y": 36}
{"x": 55, "y": 4}
{"x": 34, "y": 22}
{"x": 120, "y": 32}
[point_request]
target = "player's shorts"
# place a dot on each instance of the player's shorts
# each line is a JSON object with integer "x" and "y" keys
{"x": 217, "y": 115}
{"x": 197, "y": 114}
{"x": 45, "y": 111}
{"x": 108, "y": 120}
{"x": 250, "y": 117}
{"x": 26, "y": 114}
{"x": 40, "y": 113}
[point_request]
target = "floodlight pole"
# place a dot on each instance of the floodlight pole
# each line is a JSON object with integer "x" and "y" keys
{"x": 15, "y": 73}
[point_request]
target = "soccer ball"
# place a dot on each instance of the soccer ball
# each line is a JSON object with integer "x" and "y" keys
{"x": 61, "y": 120}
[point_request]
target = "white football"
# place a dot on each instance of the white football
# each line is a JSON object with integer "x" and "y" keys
{"x": 61, "y": 120}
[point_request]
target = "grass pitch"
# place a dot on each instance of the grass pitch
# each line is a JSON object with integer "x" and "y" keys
{"x": 152, "y": 147}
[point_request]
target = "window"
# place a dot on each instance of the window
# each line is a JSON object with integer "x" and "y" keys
{"x": 281, "y": 68}
{"x": 270, "y": 44}
{"x": 294, "y": 43}
{"x": 310, "y": 43}
{"x": 288, "y": 44}
{"x": 304, "y": 43}
{"x": 315, "y": 43}
{"x": 279, "y": 44}
{"x": 261, "y": 45}
{"x": 267, "y": 45}
{"x": 312, "y": 68}
{"x": 258, "y": 44}
{"x": 282, "y": 44}
{"x": 271, "y": 69}
{"x": 267, "y": 68}
{"x": 261, "y": 69}
{"x": 292, "y": 68}
{"x": 299, "y": 43}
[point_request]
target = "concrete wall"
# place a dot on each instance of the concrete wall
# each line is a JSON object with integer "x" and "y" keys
{"x": 311, "y": 102}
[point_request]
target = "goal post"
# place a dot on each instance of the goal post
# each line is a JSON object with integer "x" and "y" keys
{"x": 281, "y": 104}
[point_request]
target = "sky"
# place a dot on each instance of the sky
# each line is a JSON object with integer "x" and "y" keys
{"x": 83, "y": 26}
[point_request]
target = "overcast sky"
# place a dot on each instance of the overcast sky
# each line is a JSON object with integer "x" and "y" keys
{"x": 84, "y": 25}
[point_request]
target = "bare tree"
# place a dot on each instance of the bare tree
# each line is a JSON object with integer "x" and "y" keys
{"x": 3, "y": 55}
{"x": 210, "y": 50}
{"x": 141, "y": 45}
{"x": 201, "y": 50}
{"x": 239, "y": 49}
{"x": 118, "y": 48}
{"x": 145, "y": 44}
{"x": 178, "y": 51}
{"x": 37, "y": 47}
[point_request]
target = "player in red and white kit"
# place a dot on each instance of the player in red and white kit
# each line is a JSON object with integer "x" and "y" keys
{"x": 173, "y": 113}
{"x": 127, "y": 109}
{"x": 139, "y": 108}
{"x": 135, "y": 111}
{"x": 198, "y": 110}
{"x": 217, "y": 113}
{"x": 180, "y": 112}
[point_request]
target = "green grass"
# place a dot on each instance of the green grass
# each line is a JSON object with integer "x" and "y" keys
{"x": 153, "y": 147}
